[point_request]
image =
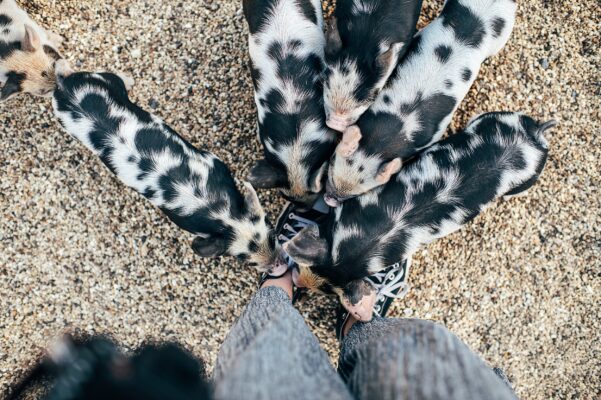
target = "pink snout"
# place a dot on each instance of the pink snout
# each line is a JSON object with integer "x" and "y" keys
{"x": 338, "y": 121}
{"x": 362, "y": 311}
{"x": 331, "y": 200}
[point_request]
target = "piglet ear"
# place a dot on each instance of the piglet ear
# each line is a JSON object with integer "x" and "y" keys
{"x": 251, "y": 199}
{"x": 388, "y": 169}
{"x": 12, "y": 86}
{"x": 390, "y": 55}
{"x": 62, "y": 70}
{"x": 307, "y": 248}
{"x": 263, "y": 175}
{"x": 359, "y": 298}
{"x": 545, "y": 126}
{"x": 318, "y": 178}
{"x": 333, "y": 40}
{"x": 350, "y": 141}
{"x": 210, "y": 247}
{"x": 31, "y": 41}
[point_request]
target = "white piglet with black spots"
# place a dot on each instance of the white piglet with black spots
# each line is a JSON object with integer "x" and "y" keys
{"x": 364, "y": 42}
{"x": 286, "y": 46}
{"x": 415, "y": 108}
{"x": 437, "y": 192}
{"x": 192, "y": 187}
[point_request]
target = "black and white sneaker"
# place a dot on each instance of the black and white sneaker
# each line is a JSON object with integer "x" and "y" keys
{"x": 390, "y": 284}
{"x": 290, "y": 222}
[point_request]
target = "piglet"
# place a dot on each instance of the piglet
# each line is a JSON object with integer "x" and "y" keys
{"x": 286, "y": 46}
{"x": 415, "y": 108}
{"x": 27, "y": 54}
{"x": 192, "y": 187}
{"x": 435, "y": 194}
{"x": 364, "y": 42}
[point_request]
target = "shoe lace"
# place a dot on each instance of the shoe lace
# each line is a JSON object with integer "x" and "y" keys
{"x": 291, "y": 228}
{"x": 388, "y": 282}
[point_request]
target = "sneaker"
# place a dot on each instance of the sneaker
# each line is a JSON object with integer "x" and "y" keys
{"x": 291, "y": 221}
{"x": 390, "y": 284}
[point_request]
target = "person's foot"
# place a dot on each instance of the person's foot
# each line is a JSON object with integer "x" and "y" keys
{"x": 390, "y": 284}
{"x": 291, "y": 221}
{"x": 283, "y": 281}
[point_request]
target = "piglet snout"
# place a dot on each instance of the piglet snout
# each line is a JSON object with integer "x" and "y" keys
{"x": 338, "y": 121}
{"x": 363, "y": 310}
{"x": 331, "y": 200}
{"x": 359, "y": 299}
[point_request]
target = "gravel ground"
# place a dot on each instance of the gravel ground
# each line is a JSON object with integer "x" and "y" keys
{"x": 521, "y": 284}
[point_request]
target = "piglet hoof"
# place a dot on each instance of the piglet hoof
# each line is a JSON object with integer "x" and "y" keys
{"x": 127, "y": 80}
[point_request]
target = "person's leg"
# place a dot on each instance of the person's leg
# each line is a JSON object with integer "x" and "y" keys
{"x": 270, "y": 353}
{"x": 414, "y": 359}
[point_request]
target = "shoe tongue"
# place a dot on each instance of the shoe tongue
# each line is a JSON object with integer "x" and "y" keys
{"x": 321, "y": 206}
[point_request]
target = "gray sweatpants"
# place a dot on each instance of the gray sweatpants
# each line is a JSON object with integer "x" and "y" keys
{"x": 271, "y": 354}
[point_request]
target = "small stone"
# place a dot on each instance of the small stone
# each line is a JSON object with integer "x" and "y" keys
{"x": 153, "y": 103}
{"x": 136, "y": 53}
{"x": 544, "y": 63}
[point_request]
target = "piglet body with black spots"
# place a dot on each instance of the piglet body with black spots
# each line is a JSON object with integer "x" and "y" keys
{"x": 286, "y": 48}
{"x": 364, "y": 42}
{"x": 415, "y": 108}
{"x": 435, "y": 194}
{"x": 192, "y": 187}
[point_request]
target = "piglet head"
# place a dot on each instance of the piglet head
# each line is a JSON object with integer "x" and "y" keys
{"x": 311, "y": 252}
{"x": 30, "y": 67}
{"x": 352, "y": 172}
{"x": 252, "y": 239}
{"x": 297, "y": 182}
{"x": 354, "y": 76}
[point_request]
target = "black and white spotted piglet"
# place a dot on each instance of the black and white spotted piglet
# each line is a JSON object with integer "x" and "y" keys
{"x": 435, "y": 194}
{"x": 364, "y": 42}
{"x": 286, "y": 46}
{"x": 192, "y": 187}
{"x": 415, "y": 108}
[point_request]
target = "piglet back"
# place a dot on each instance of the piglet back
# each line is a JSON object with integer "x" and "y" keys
{"x": 438, "y": 192}
{"x": 497, "y": 154}
{"x": 145, "y": 153}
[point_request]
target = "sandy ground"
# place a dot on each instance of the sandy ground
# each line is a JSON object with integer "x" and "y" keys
{"x": 521, "y": 284}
